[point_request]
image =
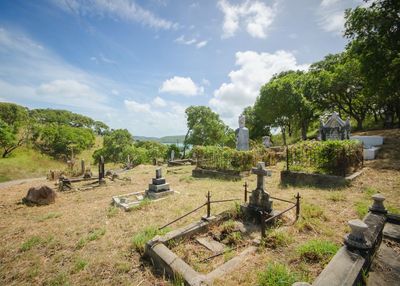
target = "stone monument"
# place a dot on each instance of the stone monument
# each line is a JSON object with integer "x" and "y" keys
{"x": 267, "y": 141}
{"x": 334, "y": 128}
{"x": 159, "y": 187}
{"x": 259, "y": 200}
{"x": 242, "y": 135}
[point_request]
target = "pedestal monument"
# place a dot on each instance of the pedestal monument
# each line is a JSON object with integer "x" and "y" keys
{"x": 242, "y": 135}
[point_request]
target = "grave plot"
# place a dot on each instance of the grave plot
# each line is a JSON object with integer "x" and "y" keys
{"x": 158, "y": 189}
{"x": 207, "y": 249}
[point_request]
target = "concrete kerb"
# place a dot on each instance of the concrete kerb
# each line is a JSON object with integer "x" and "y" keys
{"x": 169, "y": 263}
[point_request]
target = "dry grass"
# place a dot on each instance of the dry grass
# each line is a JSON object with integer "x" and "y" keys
{"x": 41, "y": 245}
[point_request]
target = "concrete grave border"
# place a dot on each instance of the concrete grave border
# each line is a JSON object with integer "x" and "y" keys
{"x": 172, "y": 265}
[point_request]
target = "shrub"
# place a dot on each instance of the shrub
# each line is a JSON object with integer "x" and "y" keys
{"x": 225, "y": 158}
{"x": 277, "y": 274}
{"x": 334, "y": 157}
{"x": 317, "y": 250}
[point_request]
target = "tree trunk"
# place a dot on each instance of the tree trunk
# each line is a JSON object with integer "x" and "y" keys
{"x": 283, "y": 135}
{"x": 359, "y": 124}
{"x": 304, "y": 128}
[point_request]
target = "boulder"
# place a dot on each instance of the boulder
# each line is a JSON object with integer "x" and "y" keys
{"x": 43, "y": 195}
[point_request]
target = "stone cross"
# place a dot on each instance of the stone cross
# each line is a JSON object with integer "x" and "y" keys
{"x": 261, "y": 172}
{"x": 242, "y": 121}
{"x": 158, "y": 173}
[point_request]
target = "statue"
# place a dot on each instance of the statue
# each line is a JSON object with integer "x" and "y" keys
{"x": 242, "y": 135}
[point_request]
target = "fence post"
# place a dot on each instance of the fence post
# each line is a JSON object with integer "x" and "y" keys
{"x": 208, "y": 204}
{"x": 287, "y": 158}
{"x": 297, "y": 206}
{"x": 245, "y": 191}
{"x": 262, "y": 225}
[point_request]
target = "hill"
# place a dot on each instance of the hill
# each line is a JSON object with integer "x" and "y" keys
{"x": 166, "y": 139}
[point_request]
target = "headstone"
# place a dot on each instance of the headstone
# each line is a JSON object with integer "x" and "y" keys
{"x": 259, "y": 199}
{"x": 267, "y": 141}
{"x": 83, "y": 168}
{"x": 101, "y": 170}
{"x": 158, "y": 187}
{"x": 242, "y": 135}
{"x": 40, "y": 196}
{"x": 334, "y": 128}
{"x": 172, "y": 155}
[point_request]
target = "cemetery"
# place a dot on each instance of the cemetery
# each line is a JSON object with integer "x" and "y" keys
{"x": 200, "y": 144}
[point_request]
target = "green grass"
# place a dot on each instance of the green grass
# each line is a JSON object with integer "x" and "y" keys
{"x": 337, "y": 197}
{"x": 277, "y": 274}
{"x": 316, "y": 250}
{"x": 30, "y": 243}
{"x": 93, "y": 235}
{"x": 277, "y": 238}
{"x": 60, "y": 279}
{"x": 369, "y": 191}
{"x": 362, "y": 208}
{"x": 112, "y": 211}
{"x": 139, "y": 240}
{"x": 27, "y": 163}
{"x": 311, "y": 218}
{"x": 49, "y": 215}
{"x": 80, "y": 264}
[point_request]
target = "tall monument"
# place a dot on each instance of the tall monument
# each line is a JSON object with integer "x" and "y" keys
{"x": 242, "y": 135}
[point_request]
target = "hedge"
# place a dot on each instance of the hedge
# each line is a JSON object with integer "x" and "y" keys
{"x": 333, "y": 157}
{"x": 225, "y": 158}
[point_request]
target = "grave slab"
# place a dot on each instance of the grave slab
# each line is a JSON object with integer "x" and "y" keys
{"x": 392, "y": 231}
{"x": 211, "y": 244}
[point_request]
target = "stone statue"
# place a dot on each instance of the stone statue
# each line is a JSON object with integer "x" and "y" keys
{"x": 267, "y": 141}
{"x": 242, "y": 135}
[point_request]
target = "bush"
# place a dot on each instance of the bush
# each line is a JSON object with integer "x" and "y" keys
{"x": 225, "y": 158}
{"x": 334, "y": 157}
{"x": 155, "y": 150}
{"x": 317, "y": 250}
{"x": 277, "y": 274}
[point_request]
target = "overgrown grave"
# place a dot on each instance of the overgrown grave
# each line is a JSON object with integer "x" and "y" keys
{"x": 323, "y": 164}
{"x": 215, "y": 245}
{"x": 227, "y": 163}
{"x": 158, "y": 188}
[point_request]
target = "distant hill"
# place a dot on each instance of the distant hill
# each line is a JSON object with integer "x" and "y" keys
{"x": 165, "y": 139}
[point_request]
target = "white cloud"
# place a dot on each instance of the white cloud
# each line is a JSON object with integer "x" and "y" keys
{"x": 255, "y": 69}
{"x": 159, "y": 102}
{"x": 126, "y": 10}
{"x": 255, "y": 15}
{"x": 181, "y": 85}
{"x": 201, "y": 44}
{"x": 136, "y": 106}
{"x": 330, "y": 14}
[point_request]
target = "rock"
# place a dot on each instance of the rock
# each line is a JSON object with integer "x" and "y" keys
{"x": 40, "y": 196}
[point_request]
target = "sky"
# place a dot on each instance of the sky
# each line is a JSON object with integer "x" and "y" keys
{"x": 139, "y": 64}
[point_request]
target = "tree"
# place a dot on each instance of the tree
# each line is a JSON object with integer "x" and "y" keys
{"x": 14, "y": 127}
{"x": 375, "y": 40}
{"x": 336, "y": 83}
{"x": 205, "y": 128}
{"x": 256, "y": 126}
{"x": 62, "y": 140}
{"x": 282, "y": 103}
{"x": 115, "y": 146}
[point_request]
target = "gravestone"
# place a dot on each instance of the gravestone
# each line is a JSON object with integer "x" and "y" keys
{"x": 101, "y": 170}
{"x": 334, "y": 128}
{"x": 267, "y": 141}
{"x": 242, "y": 135}
{"x": 83, "y": 167}
{"x": 172, "y": 155}
{"x": 259, "y": 200}
{"x": 158, "y": 187}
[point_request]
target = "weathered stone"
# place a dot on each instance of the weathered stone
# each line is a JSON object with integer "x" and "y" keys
{"x": 158, "y": 173}
{"x": 392, "y": 231}
{"x": 356, "y": 238}
{"x": 334, "y": 128}
{"x": 211, "y": 244}
{"x": 377, "y": 206}
{"x": 43, "y": 195}
{"x": 242, "y": 135}
{"x": 158, "y": 181}
{"x": 159, "y": 188}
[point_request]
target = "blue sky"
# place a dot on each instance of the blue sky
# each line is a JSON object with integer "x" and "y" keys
{"x": 138, "y": 64}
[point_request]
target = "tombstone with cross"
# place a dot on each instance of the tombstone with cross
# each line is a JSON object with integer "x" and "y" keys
{"x": 260, "y": 199}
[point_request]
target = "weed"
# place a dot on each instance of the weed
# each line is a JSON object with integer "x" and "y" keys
{"x": 139, "y": 240}
{"x": 228, "y": 226}
{"x": 234, "y": 238}
{"x": 178, "y": 280}
{"x": 337, "y": 197}
{"x": 317, "y": 250}
{"x": 50, "y": 215}
{"x": 60, "y": 280}
{"x": 362, "y": 208}
{"x": 33, "y": 271}
{"x": 143, "y": 203}
{"x": 80, "y": 265}
{"x": 277, "y": 238}
{"x": 30, "y": 243}
{"x": 370, "y": 191}
{"x": 93, "y": 235}
{"x": 277, "y": 274}
{"x": 123, "y": 267}
{"x": 186, "y": 179}
{"x": 112, "y": 211}
{"x": 312, "y": 211}
{"x": 229, "y": 253}
{"x": 393, "y": 210}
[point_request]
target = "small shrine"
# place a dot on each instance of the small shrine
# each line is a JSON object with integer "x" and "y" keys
{"x": 334, "y": 128}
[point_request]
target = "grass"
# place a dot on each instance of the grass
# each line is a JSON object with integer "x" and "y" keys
{"x": 311, "y": 218}
{"x": 49, "y": 215}
{"x": 80, "y": 264}
{"x": 139, "y": 240}
{"x": 277, "y": 274}
{"x": 31, "y": 243}
{"x": 60, "y": 279}
{"x": 316, "y": 250}
{"x": 337, "y": 196}
{"x": 277, "y": 238}
{"x": 361, "y": 208}
{"x": 112, "y": 211}
{"x": 93, "y": 235}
